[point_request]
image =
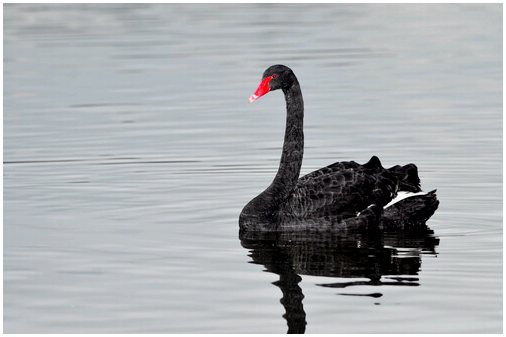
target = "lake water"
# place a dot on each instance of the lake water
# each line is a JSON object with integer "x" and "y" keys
{"x": 130, "y": 149}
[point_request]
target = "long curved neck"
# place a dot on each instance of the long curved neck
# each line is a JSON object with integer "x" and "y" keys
{"x": 267, "y": 202}
{"x": 293, "y": 146}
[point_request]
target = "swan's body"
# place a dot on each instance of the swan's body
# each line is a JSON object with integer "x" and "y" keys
{"x": 340, "y": 191}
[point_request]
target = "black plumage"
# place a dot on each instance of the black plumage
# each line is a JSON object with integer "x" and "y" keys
{"x": 340, "y": 191}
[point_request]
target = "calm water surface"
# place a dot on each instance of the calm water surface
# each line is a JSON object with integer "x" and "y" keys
{"x": 130, "y": 149}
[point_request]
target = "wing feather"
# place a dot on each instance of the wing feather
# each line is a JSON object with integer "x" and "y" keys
{"x": 344, "y": 188}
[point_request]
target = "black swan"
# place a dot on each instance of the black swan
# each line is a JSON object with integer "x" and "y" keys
{"x": 344, "y": 193}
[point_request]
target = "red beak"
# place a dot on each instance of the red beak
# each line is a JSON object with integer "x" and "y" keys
{"x": 262, "y": 89}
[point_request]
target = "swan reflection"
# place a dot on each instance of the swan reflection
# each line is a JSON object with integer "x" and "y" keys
{"x": 386, "y": 255}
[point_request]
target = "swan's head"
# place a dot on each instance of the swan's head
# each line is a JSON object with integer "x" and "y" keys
{"x": 275, "y": 77}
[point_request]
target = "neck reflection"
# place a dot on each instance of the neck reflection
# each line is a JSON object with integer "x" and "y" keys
{"x": 383, "y": 259}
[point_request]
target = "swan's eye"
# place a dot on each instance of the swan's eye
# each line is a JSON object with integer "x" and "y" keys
{"x": 275, "y": 75}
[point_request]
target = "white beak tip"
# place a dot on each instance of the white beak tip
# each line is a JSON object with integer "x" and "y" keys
{"x": 253, "y": 98}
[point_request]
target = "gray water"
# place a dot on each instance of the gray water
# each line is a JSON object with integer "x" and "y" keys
{"x": 130, "y": 149}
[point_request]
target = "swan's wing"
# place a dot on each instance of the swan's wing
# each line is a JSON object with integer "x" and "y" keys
{"x": 343, "y": 188}
{"x": 329, "y": 170}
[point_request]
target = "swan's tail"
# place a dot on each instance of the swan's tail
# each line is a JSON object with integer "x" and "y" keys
{"x": 408, "y": 177}
{"x": 410, "y": 212}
